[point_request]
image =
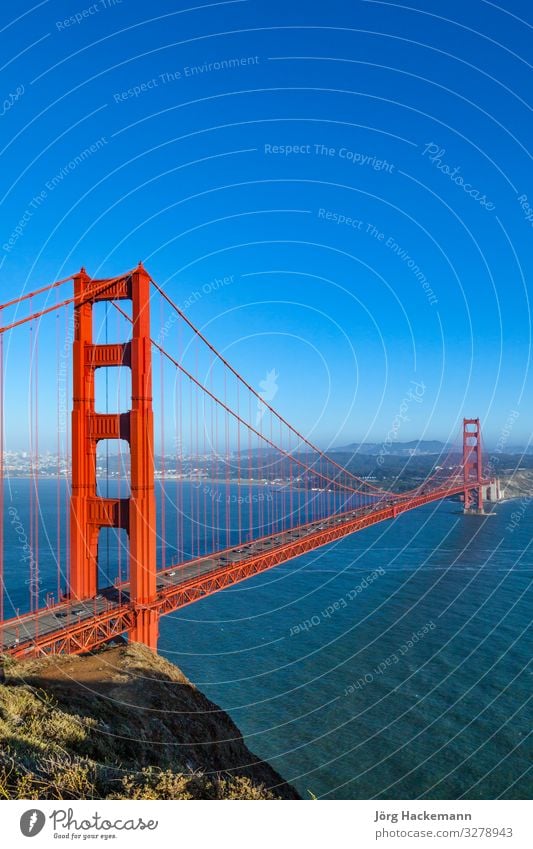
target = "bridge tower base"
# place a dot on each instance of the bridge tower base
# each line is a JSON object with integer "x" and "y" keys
{"x": 88, "y": 511}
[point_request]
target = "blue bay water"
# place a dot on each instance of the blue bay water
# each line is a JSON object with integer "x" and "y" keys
{"x": 394, "y": 663}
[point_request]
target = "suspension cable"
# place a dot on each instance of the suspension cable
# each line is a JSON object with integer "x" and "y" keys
{"x": 239, "y": 419}
{"x": 369, "y": 486}
{"x": 96, "y": 290}
{"x": 36, "y": 292}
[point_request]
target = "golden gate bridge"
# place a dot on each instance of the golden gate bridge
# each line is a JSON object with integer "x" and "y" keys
{"x": 237, "y": 443}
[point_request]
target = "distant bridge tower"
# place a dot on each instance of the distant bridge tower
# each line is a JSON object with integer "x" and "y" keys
{"x": 89, "y": 512}
{"x": 472, "y": 465}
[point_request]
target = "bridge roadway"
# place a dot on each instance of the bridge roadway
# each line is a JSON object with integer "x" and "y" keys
{"x": 18, "y": 631}
{"x": 72, "y": 626}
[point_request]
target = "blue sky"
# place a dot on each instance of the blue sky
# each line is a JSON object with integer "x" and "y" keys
{"x": 359, "y": 171}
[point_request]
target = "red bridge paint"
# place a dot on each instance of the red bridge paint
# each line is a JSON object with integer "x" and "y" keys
{"x": 88, "y": 512}
{"x": 86, "y": 619}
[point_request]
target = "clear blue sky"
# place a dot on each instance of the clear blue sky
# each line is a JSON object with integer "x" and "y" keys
{"x": 181, "y": 120}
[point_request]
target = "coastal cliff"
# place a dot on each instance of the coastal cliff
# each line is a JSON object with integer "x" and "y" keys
{"x": 519, "y": 484}
{"x": 121, "y": 723}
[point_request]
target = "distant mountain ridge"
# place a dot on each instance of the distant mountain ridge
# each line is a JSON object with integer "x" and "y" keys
{"x": 416, "y": 446}
{"x": 422, "y": 446}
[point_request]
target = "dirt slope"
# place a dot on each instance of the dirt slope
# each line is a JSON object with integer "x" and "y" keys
{"x": 121, "y": 723}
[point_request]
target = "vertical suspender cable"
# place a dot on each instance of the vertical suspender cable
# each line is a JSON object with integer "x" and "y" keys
{"x": 291, "y": 494}
{"x": 213, "y": 462}
{"x": 251, "y": 491}
{"x": 279, "y": 517}
{"x": 177, "y": 448}
{"x": 37, "y": 504}
{"x": 1, "y": 477}
{"x": 218, "y": 455}
{"x": 206, "y": 473}
{"x": 58, "y": 485}
{"x": 197, "y": 455}
{"x": 262, "y": 492}
{"x": 162, "y": 489}
{"x": 239, "y": 517}
{"x": 31, "y": 492}
{"x": 190, "y": 484}
{"x": 181, "y": 541}
{"x": 227, "y": 466}
{"x": 270, "y": 506}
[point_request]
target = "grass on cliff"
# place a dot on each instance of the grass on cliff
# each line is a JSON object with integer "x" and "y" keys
{"x": 125, "y": 737}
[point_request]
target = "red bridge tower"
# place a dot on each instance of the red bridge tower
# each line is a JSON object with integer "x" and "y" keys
{"x": 89, "y": 512}
{"x": 472, "y": 465}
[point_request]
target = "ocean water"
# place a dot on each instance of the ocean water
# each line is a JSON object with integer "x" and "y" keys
{"x": 395, "y": 663}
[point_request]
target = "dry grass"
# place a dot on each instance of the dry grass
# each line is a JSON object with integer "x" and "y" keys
{"x": 123, "y": 724}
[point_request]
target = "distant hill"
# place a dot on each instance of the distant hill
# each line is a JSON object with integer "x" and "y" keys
{"x": 422, "y": 446}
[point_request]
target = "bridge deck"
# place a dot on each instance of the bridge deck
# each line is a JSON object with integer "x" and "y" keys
{"x": 77, "y": 626}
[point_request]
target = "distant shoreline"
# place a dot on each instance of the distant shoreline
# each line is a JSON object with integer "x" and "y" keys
{"x": 242, "y": 482}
